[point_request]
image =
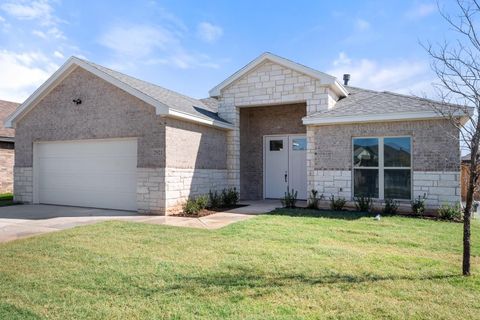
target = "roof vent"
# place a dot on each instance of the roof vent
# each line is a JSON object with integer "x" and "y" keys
{"x": 346, "y": 78}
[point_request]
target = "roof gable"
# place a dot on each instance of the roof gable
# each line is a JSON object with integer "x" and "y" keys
{"x": 324, "y": 78}
{"x": 166, "y": 102}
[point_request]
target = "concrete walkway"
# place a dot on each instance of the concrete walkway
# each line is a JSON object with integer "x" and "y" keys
{"x": 22, "y": 221}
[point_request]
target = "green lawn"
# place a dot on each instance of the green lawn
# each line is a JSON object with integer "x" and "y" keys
{"x": 274, "y": 266}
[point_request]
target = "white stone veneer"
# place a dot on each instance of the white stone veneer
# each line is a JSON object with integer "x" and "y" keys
{"x": 151, "y": 190}
{"x": 181, "y": 184}
{"x": 440, "y": 187}
{"x": 333, "y": 182}
{"x": 23, "y": 184}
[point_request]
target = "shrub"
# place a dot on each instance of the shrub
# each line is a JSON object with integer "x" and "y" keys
{"x": 391, "y": 206}
{"x": 229, "y": 197}
{"x": 337, "y": 204}
{"x": 449, "y": 212}
{"x": 290, "y": 199}
{"x": 214, "y": 199}
{"x": 418, "y": 205}
{"x": 363, "y": 203}
{"x": 202, "y": 202}
{"x": 191, "y": 208}
{"x": 313, "y": 199}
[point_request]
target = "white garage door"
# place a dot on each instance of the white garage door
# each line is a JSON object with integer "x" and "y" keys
{"x": 87, "y": 173}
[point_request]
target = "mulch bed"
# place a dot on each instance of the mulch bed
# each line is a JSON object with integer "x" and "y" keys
{"x": 207, "y": 212}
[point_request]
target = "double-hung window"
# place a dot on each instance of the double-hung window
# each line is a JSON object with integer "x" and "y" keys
{"x": 382, "y": 167}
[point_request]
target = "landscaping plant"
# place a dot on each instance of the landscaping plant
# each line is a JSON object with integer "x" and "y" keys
{"x": 363, "y": 203}
{"x": 214, "y": 199}
{"x": 230, "y": 197}
{"x": 314, "y": 199}
{"x": 418, "y": 205}
{"x": 449, "y": 212}
{"x": 391, "y": 206}
{"x": 290, "y": 199}
{"x": 337, "y": 204}
{"x": 191, "y": 208}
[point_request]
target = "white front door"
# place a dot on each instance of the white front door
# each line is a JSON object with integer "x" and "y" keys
{"x": 285, "y": 165}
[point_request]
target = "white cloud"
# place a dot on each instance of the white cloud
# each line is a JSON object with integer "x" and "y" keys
{"x": 25, "y": 10}
{"x": 421, "y": 10}
{"x": 137, "y": 41}
{"x": 40, "y": 34}
{"x": 403, "y": 76}
{"x": 209, "y": 32}
{"x": 58, "y": 54}
{"x": 362, "y": 25}
{"x": 22, "y": 73}
{"x": 149, "y": 44}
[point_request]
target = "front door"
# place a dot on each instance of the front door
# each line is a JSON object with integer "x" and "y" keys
{"x": 285, "y": 165}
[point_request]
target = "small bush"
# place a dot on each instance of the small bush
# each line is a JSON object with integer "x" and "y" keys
{"x": 202, "y": 202}
{"x": 290, "y": 199}
{"x": 191, "y": 208}
{"x": 363, "y": 203}
{"x": 418, "y": 205}
{"x": 229, "y": 197}
{"x": 337, "y": 204}
{"x": 449, "y": 212}
{"x": 314, "y": 199}
{"x": 391, "y": 206}
{"x": 214, "y": 199}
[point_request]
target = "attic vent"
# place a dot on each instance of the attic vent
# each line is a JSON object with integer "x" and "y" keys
{"x": 346, "y": 78}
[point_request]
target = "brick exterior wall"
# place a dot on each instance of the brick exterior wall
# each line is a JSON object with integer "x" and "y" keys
{"x": 255, "y": 123}
{"x": 435, "y": 147}
{"x": 268, "y": 84}
{"x": 105, "y": 112}
{"x": 7, "y": 158}
{"x": 436, "y": 157}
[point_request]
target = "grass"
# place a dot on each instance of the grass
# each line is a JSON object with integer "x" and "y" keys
{"x": 278, "y": 266}
{"x": 6, "y": 199}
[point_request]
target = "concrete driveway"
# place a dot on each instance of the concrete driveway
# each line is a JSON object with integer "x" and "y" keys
{"x": 20, "y": 221}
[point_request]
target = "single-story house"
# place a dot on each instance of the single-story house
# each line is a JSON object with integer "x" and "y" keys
{"x": 7, "y": 145}
{"x": 92, "y": 136}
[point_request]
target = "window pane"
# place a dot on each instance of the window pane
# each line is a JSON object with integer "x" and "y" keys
{"x": 397, "y": 184}
{"x": 276, "y": 145}
{"x": 366, "y": 183}
{"x": 365, "y": 152}
{"x": 397, "y": 152}
{"x": 299, "y": 144}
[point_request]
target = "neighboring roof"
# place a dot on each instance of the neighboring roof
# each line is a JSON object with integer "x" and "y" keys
{"x": 466, "y": 158}
{"x": 324, "y": 78}
{"x": 165, "y": 101}
{"x": 362, "y": 105}
{"x": 6, "y": 108}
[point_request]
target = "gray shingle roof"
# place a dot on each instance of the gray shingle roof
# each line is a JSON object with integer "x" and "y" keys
{"x": 368, "y": 102}
{"x": 6, "y": 108}
{"x": 172, "y": 99}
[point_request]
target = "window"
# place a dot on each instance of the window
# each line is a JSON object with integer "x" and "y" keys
{"x": 276, "y": 145}
{"x": 382, "y": 167}
{"x": 299, "y": 144}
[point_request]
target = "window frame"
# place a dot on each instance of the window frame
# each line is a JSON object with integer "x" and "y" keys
{"x": 381, "y": 168}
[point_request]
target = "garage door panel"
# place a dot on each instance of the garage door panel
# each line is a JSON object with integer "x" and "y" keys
{"x": 93, "y": 173}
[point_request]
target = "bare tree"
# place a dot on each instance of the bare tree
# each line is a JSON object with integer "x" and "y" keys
{"x": 457, "y": 67}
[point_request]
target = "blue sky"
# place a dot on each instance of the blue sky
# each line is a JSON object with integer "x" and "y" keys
{"x": 190, "y": 46}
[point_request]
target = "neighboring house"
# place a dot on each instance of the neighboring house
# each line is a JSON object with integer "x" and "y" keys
{"x": 7, "y": 142}
{"x": 464, "y": 177}
{"x": 91, "y": 136}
